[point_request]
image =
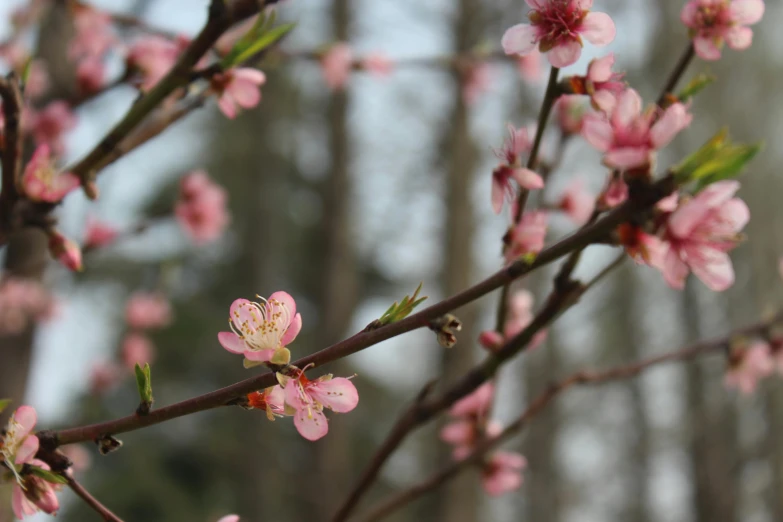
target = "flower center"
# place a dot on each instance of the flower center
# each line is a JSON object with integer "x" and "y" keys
{"x": 264, "y": 323}
{"x": 556, "y": 22}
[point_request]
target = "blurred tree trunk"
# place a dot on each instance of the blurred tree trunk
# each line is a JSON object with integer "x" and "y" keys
{"x": 339, "y": 276}
{"x": 458, "y": 502}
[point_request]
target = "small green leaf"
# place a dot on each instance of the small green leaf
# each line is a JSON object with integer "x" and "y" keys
{"x": 47, "y": 475}
{"x": 727, "y": 164}
{"x": 144, "y": 384}
{"x": 261, "y": 36}
{"x": 695, "y": 86}
{"x": 403, "y": 309}
{"x": 4, "y": 404}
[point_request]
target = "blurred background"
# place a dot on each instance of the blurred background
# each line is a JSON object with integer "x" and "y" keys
{"x": 347, "y": 200}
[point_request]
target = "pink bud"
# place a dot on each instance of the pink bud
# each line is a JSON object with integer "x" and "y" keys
{"x": 65, "y": 251}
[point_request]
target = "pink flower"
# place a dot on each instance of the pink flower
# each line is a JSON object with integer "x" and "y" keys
{"x": 615, "y": 193}
{"x": 477, "y": 404}
{"x": 603, "y": 85}
{"x": 520, "y": 315}
{"x": 751, "y": 365}
{"x": 629, "y": 137}
{"x": 336, "y": 65}
{"x": 238, "y": 88}
{"x": 556, "y": 28}
{"x": 570, "y": 112}
{"x": 699, "y": 234}
{"x": 34, "y": 494}
{"x": 90, "y": 74}
{"x": 229, "y": 518}
{"x": 529, "y": 66}
{"x": 271, "y": 400}
{"x": 201, "y": 210}
{"x": 576, "y": 202}
{"x": 261, "y": 329}
{"x": 503, "y": 472}
{"x": 528, "y": 236}
{"x": 23, "y": 301}
{"x": 94, "y": 36}
{"x": 103, "y": 377}
{"x": 49, "y": 125}
{"x": 378, "y": 64}
{"x": 464, "y": 434}
{"x": 476, "y": 81}
{"x": 309, "y": 398}
{"x": 65, "y": 251}
{"x": 154, "y": 56}
{"x": 137, "y": 349}
{"x": 518, "y": 142}
{"x": 18, "y": 445}
{"x": 713, "y": 22}
{"x": 145, "y": 310}
{"x": 42, "y": 182}
{"x": 99, "y": 234}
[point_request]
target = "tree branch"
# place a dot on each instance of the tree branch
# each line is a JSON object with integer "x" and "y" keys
{"x": 91, "y": 501}
{"x": 679, "y": 70}
{"x": 580, "y": 378}
{"x": 13, "y": 104}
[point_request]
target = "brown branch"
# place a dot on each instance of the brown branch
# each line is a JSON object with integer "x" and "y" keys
{"x": 91, "y": 501}
{"x": 544, "y": 399}
{"x": 13, "y": 104}
{"x": 679, "y": 70}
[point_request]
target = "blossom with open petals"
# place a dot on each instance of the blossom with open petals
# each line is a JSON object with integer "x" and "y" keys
{"x": 201, "y": 209}
{"x": 630, "y": 137}
{"x": 748, "y": 366}
{"x": 261, "y": 330}
{"x": 699, "y": 235}
{"x": 556, "y": 27}
{"x": 601, "y": 83}
{"x": 309, "y": 398}
{"x": 271, "y": 400}
{"x": 527, "y": 236}
{"x": 34, "y": 494}
{"x": 715, "y": 22}
{"x": 503, "y": 472}
{"x": 18, "y": 445}
{"x": 238, "y": 89}
{"x": 41, "y": 181}
{"x": 517, "y": 143}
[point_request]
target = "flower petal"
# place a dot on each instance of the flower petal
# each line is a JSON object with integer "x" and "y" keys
{"x": 528, "y": 179}
{"x": 717, "y": 272}
{"x": 598, "y": 132}
{"x": 259, "y": 355}
{"x": 746, "y": 12}
{"x": 338, "y": 394}
{"x": 627, "y": 158}
{"x": 706, "y": 48}
{"x": 628, "y": 109}
{"x": 519, "y": 39}
{"x": 293, "y": 330}
{"x": 674, "y": 119}
{"x": 27, "y": 450}
{"x": 311, "y": 424}
{"x": 26, "y": 417}
{"x": 232, "y": 342}
{"x": 739, "y": 38}
{"x": 565, "y": 54}
{"x": 456, "y": 433}
{"x": 498, "y": 195}
{"x": 598, "y": 28}
{"x": 600, "y": 69}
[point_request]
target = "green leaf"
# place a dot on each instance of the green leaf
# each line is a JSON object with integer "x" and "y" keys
{"x": 4, "y": 404}
{"x": 47, "y": 475}
{"x": 403, "y": 309}
{"x": 695, "y": 86}
{"x": 261, "y": 36}
{"x": 685, "y": 170}
{"x": 727, "y": 164}
{"x": 144, "y": 383}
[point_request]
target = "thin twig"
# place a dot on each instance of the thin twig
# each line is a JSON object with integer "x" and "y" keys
{"x": 580, "y": 378}
{"x": 91, "y": 501}
{"x": 13, "y": 104}
{"x": 679, "y": 70}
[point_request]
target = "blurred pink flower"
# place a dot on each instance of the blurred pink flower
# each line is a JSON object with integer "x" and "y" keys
{"x": 65, "y": 251}
{"x": 50, "y": 124}
{"x": 556, "y": 28}
{"x": 530, "y": 66}
{"x": 336, "y": 65}
{"x": 93, "y": 33}
{"x": 238, "y": 88}
{"x": 23, "y": 301}
{"x": 476, "y": 404}
{"x": 90, "y": 74}
{"x": 476, "y": 81}
{"x": 699, "y": 234}
{"x": 629, "y": 137}
{"x": 42, "y": 182}
{"x": 570, "y": 112}
{"x": 527, "y": 237}
{"x": 576, "y": 202}
{"x": 615, "y": 193}
{"x": 377, "y": 63}
{"x": 602, "y": 85}
{"x": 751, "y": 365}
{"x": 260, "y": 329}
{"x": 153, "y": 57}
{"x": 145, "y": 310}
{"x": 99, "y": 234}
{"x": 309, "y": 398}
{"x": 201, "y": 209}
{"x": 229, "y": 518}
{"x": 503, "y": 472}
{"x": 34, "y": 494}
{"x": 713, "y": 22}
{"x": 104, "y": 376}
{"x": 517, "y": 143}
{"x": 18, "y": 445}
{"x": 137, "y": 349}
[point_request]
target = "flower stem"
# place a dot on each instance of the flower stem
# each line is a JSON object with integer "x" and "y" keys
{"x": 676, "y": 74}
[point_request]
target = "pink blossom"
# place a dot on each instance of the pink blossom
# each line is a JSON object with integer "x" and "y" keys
{"x": 699, "y": 234}
{"x": 503, "y": 472}
{"x": 517, "y": 143}
{"x": 271, "y": 400}
{"x": 34, "y": 494}
{"x": 23, "y": 301}
{"x": 527, "y": 237}
{"x": 42, "y": 182}
{"x": 94, "y": 36}
{"x": 229, "y": 518}
{"x": 629, "y": 137}
{"x": 519, "y": 317}
{"x": 18, "y": 445}
{"x": 603, "y": 85}
{"x": 99, "y": 234}
{"x": 261, "y": 329}
{"x": 153, "y": 57}
{"x": 713, "y": 22}
{"x": 201, "y": 210}
{"x": 103, "y": 377}
{"x": 309, "y": 398}
{"x": 615, "y": 193}
{"x": 576, "y": 202}
{"x": 476, "y": 81}
{"x": 464, "y": 434}
{"x": 336, "y": 65}
{"x": 238, "y": 88}
{"x": 137, "y": 349}
{"x": 556, "y": 28}
{"x": 50, "y": 124}
{"x": 477, "y": 404}
{"x": 378, "y": 64}
{"x": 491, "y": 340}
{"x": 753, "y": 364}
{"x": 529, "y": 66}
{"x": 570, "y": 112}
{"x": 145, "y": 310}
{"x": 65, "y": 251}
{"x": 90, "y": 74}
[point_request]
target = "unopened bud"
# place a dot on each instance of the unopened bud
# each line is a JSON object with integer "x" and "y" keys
{"x": 65, "y": 251}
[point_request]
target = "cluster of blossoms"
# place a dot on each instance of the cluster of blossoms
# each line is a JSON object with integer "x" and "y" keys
{"x": 201, "y": 210}
{"x": 23, "y": 302}
{"x": 502, "y": 470}
{"x": 261, "y": 332}
{"x": 18, "y": 447}
{"x": 751, "y": 362}
{"x": 714, "y": 22}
